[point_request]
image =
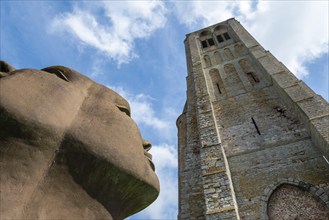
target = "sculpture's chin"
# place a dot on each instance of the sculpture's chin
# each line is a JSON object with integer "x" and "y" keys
{"x": 149, "y": 159}
{"x": 119, "y": 191}
{"x": 151, "y": 164}
{"x": 152, "y": 178}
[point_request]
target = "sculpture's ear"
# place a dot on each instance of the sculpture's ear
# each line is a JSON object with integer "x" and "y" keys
{"x": 60, "y": 71}
{"x": 5, "y": 68}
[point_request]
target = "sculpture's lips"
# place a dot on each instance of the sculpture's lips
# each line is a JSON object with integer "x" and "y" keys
{"x": 149, "y": 158}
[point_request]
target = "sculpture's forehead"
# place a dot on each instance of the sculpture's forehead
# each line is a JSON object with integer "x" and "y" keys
{"x": 41, "y": 96}
{"x": 81, "y": 81}
{"x": 91, "y": 88}
{"x": 107, "y": 95}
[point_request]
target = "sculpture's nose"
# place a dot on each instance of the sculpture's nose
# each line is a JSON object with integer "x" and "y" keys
{"x": 147, "y": 145}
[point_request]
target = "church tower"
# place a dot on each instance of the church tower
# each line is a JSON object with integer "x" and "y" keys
{"x": 253, "y": 140}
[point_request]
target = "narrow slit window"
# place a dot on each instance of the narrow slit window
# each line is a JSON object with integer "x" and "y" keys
{"x": 217, "y": 89}
{"x": 253, "y": 121}
{"x": 211, "y": 42}
{"x": 226, "y": 36}
{"x": 220, "y": 92}
{"x": 253, "y": 76}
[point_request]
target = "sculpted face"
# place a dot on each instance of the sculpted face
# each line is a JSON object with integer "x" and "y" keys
{"x": 88, "y": 128}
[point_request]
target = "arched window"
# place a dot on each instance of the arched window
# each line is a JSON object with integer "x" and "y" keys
{"x": 217, "y": 83}
{"x": 221, "y": 33}
{"x": 249, "y": 70}
{"x": 206, "y": 39}
{"x": 238, "y": 48}
{"x": 228, "y": 54}
{"x": 233, "y": 82}
{"x": 207, "y": 61}
{"x": 218, "y": 57}
{"x": 292, "y": 202}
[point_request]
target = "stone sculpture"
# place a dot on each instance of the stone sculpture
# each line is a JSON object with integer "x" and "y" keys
{"x": 69, "y": 149}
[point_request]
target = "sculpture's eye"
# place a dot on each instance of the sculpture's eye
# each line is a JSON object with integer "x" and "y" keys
{"x": 124, "y": 109}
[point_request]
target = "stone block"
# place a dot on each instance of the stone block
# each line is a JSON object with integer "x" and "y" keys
{"x": 258, "y": 52}
{"x": 299, "y": 92}
{"x": 271, "y": 65}
{"x": 314, "y": 108}
{"x": 284, "y": 79}
{"x": 319, "y": 128}
{"x": 319, "y": 192}
{"x": 324, "y": 197}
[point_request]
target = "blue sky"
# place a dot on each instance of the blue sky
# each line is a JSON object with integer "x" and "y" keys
{"x": 136, "y": 48}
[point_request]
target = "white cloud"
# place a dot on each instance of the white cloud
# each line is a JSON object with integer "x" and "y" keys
{"x": 199, "y": 14}
{"x": 165, "y": 156}
{"x": 97, "y": 66}
{"x": 115, "y": 32}
{"x": 142, "y": 110}
{"x": 296, "y": 32}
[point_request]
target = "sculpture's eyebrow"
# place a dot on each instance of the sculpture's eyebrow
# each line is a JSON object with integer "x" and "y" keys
{"x": 121, "y": 103}
{"x": 57, "y": 72}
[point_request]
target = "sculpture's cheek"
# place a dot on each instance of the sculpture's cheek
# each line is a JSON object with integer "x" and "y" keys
{"x": 109, "y": 133}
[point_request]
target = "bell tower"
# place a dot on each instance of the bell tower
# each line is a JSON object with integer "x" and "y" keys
{"x": 253, "y": 140}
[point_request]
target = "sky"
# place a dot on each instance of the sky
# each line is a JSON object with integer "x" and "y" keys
{"x": 136, "y": 48}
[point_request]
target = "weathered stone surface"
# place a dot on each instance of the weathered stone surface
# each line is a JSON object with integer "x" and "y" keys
{"x": 69, "y": 149}
{"x": 256, "y": 126}
{"x": 291, "y": 202}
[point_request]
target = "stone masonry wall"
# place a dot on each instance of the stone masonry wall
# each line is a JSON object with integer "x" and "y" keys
{"x": 251, "y": 131}
{"x": 219, "y": 198}
{"x": 310, "y": 108}
{"x": 191, "y": 200}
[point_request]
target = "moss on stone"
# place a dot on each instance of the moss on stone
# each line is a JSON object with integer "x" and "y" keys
{"x": 120, "y": 192}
